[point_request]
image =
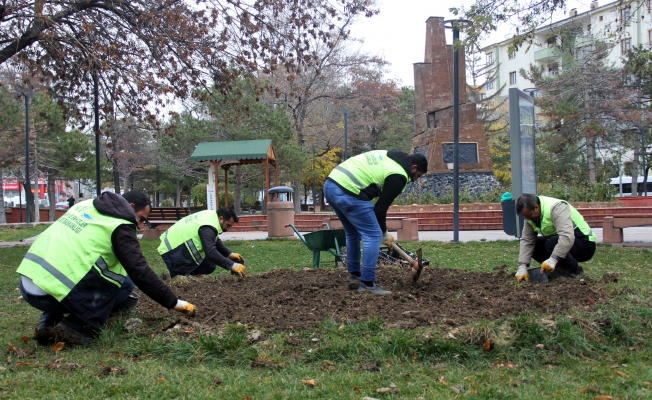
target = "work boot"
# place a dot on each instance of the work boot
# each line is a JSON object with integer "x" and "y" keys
{"x": 42, "y": 333}
{"x": 578, "y": 273}
{"x": 354, "y": 282}
{"x": 375, "y": 289}
{"x": 71, "y": 333}
{"x": 127, "y": 305}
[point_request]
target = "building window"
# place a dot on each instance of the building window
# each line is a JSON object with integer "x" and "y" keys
{"x": 511, "y": 55}
{"x": 588, "y": 29}
{"x": 512, "y": 78}
{"x": 649, "y": 36}
{"x": 625, "y": 15}
{"x": 600, "y": 18}
{"x": 551, "y": 41}
{"x": 625, "y": 46}
{"x": 553, "y": 69}
{"x": 490, "y": 84}
{"x": 490, "y": 58}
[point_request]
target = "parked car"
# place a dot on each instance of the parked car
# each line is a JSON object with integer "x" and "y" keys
{"x": 61, "y": 205}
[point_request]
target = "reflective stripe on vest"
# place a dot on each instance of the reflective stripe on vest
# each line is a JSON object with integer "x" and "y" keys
{"x": 70, "y": 248}
{"x": 367, "y": 169}
{"x": 547, "y": 227}
{"x": 51, "y": 269}
{"x": 185, "y": 232}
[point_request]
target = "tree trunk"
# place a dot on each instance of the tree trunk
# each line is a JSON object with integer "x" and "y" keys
{"x": 51, "y": 199}
{"x": 297, "y": 197}
{"x": 3, "y": 216}
{"x": 177, "y": 198}
{"x": 637, "y": 145}
{"x": 116, "y": 179}
{"x": 591, "y": 158}
{"x": 238, "y": 189}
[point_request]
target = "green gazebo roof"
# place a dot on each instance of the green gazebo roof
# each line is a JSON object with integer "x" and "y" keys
{"x": 240, "y": 150}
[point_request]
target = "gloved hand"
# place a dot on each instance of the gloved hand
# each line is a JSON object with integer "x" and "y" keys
{"x": 185, "y": 308}
{"x": 521, "y": 274}
{"x": 548, "y": 265}
{"x": 236, "y": 257}
{"x": 239, "y": 269}
{"x": 387, "y": 239}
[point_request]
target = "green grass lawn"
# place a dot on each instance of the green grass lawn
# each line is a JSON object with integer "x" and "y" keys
{"x": 17, "y": 233}
{"x": 606, "y": 352}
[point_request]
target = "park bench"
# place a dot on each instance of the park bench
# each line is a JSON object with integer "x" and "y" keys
{"x": 161, "y": 218}
{"x": 407, "y": 229}
{"x": 612, "y": 226}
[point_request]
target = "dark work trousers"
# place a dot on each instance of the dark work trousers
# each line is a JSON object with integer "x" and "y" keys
{"x": 582, "y": 250}
{"x": 204, "y": 268}
{"x": 53, "y": 311}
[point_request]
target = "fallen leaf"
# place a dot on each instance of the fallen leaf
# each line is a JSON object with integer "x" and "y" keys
{"x": 540, "y": 346}
{"x": 646, "y": 384}
{"x": 620, "y": 373}
{"x": 160, "y": 378}
{"x": 25, "y": 339}
{"x": 357, "y": 389}
{"x": 591, "y": 301}
{"x": 309, "y": 382}
{"x": 58, "y": 347}
{"x": 21, "y": 363}
{"x": 11, "y": 346}
{"x": 510, "y": 365}
{"x": 2, "y": 368}
{"x": 190, "y": 330}
{"x": 604, "y": 398}
{"x": 383, "y": 390}
{"x": 442, "y": 381}
{"x": 487, "y": 345}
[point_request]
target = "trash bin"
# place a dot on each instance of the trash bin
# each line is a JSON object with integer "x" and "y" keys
{"x": 280, "y": 213}
{"x": 510, "y": 225}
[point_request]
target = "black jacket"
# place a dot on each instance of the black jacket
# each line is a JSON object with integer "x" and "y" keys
{"x": 127, "y": 250}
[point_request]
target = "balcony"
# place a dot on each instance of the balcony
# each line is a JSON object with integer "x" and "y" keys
{"x": 547, "y": 54}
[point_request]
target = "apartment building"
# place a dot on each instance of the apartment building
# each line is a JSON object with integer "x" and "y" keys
{"x": 623, "y": 24}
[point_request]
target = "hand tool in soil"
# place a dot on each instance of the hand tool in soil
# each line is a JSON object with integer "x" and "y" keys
{"x": 403, "y": 254}
{"x": 388, "y": 255}
{"x": 536, "y": 275}
{"x": 323, "y": 240}
{"x": 417, "y": 274}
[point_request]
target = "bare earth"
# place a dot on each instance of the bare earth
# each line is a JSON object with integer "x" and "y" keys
{"x": 284, "y": 300}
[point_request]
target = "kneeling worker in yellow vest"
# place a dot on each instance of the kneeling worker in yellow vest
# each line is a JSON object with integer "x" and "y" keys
{"x": 192, "y": 245}
{"x": 556, "y": 235}
{"x": 86, "y": 264}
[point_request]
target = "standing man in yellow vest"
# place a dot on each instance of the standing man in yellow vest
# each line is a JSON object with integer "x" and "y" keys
{"x": 192, "y": 245}
{"x": 86, "y": 264}
{"x": 565, "y": 237}
{"x": 349, "y": 189}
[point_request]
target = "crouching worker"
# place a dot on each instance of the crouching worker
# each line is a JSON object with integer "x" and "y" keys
{"x": 192, "y": 246}
{"x": 86, "y": 264}
{"x": 565, "y": 237}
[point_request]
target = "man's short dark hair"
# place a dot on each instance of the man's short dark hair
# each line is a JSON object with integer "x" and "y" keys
{"x": 420, "y": 161}
{"x": 138, "y": 198}
{"x": 526, "y": 201}
{"x": 227, "y": 213}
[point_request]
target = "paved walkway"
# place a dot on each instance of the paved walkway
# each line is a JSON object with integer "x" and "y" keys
{"x": 634, "y": 237}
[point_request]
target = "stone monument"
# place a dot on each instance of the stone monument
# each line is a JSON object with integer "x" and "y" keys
{"x": 433, "y": 86}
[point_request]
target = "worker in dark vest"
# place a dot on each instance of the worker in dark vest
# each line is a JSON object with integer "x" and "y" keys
{"x": 192, "y": 245}
{"x": 556, "y": 235}
{"x": 349, "y": 189}
{"x": 86, "y": 264}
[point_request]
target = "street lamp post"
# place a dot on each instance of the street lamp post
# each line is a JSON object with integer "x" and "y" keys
{"x": 455, "y": 25}
{"x": 27, "y": 94}
{"x": 642, "y": 132}
{"x": 346, "y": 139}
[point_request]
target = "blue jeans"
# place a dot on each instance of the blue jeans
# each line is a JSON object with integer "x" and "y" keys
{"x": 54, "y": 310}
{"x": 360, "y": 223}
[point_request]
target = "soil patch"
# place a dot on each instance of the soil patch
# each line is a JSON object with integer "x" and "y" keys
{"x": 283, "y": 300}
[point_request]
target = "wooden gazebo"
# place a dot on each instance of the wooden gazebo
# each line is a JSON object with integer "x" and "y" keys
{"x": 227, "y": 154}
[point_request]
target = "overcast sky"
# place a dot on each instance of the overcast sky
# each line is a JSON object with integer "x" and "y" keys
{"x": 398, "y": 33}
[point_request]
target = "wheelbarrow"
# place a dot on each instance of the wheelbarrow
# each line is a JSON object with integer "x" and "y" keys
{"x": 323, "y": 240}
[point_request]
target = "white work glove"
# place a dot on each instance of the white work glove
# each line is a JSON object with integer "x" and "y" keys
{"x": 387, "y": 239}
{"x": 185, "y": 308}
{"x": 521, "y": 274}
{"x": 548, "y": 265}
{"x": 239, "y": 269}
